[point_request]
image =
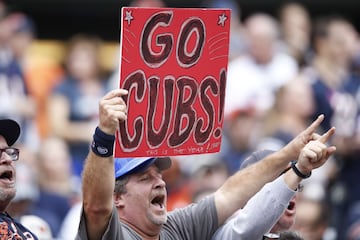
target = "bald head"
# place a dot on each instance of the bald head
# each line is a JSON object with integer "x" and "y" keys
{"x": 262, "y": 32}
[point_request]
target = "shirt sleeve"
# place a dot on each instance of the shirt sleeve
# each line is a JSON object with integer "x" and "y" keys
{"x": 196, "y": 221}
{"x": 260, "y": 213}
{"x": 113, "y": 230}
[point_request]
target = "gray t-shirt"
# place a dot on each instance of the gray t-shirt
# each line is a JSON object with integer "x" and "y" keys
{"x": 194, "y": 222}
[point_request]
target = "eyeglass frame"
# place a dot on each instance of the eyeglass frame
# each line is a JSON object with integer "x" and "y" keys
{"x": 15, "y": 150}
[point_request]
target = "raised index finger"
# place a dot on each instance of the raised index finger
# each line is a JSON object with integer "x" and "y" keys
{"x": 326, "y": 136}
{"x": 314, "y": 125}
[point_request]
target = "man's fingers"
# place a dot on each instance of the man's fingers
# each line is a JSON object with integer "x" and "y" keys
{"x": 315, "y": 136}
{"x": 326, "y": 136}
{"x": 330, "y": 151}
{"x": 314, "y": 125}
{"x": 115, "y": 93}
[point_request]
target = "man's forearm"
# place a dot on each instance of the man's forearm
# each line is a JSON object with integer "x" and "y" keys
{"x": 98, "y": 188}
{"x": 240, "y": 187}
{"x": 98, "y": 180}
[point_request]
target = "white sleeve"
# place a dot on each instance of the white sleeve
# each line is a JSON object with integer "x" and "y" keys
{"x": 260, "y": 213}
{"x": 70, "y": 224}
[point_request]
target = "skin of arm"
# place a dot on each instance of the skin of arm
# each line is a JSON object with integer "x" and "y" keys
{"x": 240, "y": 187}
{"x": 98, "y": 176}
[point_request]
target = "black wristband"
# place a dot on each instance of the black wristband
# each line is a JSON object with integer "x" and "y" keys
{"x": 102, "y": 144}
{"x": 297, "y": 171}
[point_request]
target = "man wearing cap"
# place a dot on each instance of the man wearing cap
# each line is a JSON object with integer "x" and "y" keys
{"x": 9, "y": 227}
{"x": 128, "y": 201}
{"x": 272, "y": 209}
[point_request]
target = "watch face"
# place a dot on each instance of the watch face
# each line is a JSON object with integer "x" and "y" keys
{"x": 271, "y": 236}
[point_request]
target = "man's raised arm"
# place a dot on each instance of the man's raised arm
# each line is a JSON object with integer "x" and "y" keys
{"x": 98, "y": 176}
{"x": 240, "y": 187}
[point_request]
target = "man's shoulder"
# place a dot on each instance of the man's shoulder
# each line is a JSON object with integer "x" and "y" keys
{"x": 194, "y": 208}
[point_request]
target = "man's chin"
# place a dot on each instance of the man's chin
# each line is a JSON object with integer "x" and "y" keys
{"x": 7, "y": 195}
{"x": 5, "y": 199}
{"x": 159, "y": 220}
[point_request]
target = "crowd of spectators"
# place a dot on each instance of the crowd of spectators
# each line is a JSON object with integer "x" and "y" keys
{"x": 284, "y": 70}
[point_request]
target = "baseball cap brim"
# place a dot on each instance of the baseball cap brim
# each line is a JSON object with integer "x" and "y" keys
{"x": 10, "y": 130}
{"x": 136, "y": 165}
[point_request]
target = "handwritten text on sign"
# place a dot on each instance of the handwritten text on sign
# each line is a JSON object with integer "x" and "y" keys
{"x": 173, "y": 62}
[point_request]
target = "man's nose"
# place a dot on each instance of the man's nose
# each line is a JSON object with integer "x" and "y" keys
{"x": 5, "y": 158}
{"x": 160, "y": 183}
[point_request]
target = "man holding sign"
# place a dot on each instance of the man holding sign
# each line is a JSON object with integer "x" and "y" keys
{"x": 137, "y": 207}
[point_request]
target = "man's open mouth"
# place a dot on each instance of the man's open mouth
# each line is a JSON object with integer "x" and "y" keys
{"x": 7, "y": 175}
{"x": 159, "y": 201}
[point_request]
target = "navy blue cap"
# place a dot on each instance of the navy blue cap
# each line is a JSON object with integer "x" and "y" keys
{"x": 124, "y": 166}
{"x": 10, "y": 130}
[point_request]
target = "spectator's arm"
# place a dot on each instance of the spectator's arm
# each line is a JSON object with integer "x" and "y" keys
{"x": 98, "y": 175}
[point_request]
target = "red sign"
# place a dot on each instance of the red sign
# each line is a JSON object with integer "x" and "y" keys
{"x": 174, "y": 65}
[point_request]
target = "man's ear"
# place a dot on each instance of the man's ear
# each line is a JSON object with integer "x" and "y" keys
{"x": 119, "y": 200}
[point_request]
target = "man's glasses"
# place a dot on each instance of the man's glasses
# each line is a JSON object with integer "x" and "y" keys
{"x": 12, "y": 152}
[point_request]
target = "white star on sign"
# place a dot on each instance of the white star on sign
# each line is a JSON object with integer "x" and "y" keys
{"x": 222, "y": 19}
{"x": 128, "y": 17}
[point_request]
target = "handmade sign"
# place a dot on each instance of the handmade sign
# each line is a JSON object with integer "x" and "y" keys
{"x": 174, "y": 64}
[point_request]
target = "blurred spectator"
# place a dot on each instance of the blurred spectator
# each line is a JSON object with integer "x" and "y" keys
{"x": 16, "y": 34}
{"x": 73, "y": 106}
{"x": 335, "y": 88}
{"x": 254, "y": 77}
{"x": 295, "y": 23}
{"x": 292, "y": 110}
{"x": 313, "y": 219}
{"x": 57, "y": 188}
{"x": 329, "y": 73}
{"x": 240, "y": 137}
{"x": 54, "y": 165}
{"x": 205, "y": 174}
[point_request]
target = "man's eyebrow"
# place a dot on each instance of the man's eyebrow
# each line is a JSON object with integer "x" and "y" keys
{"x": 139, "y": 174}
